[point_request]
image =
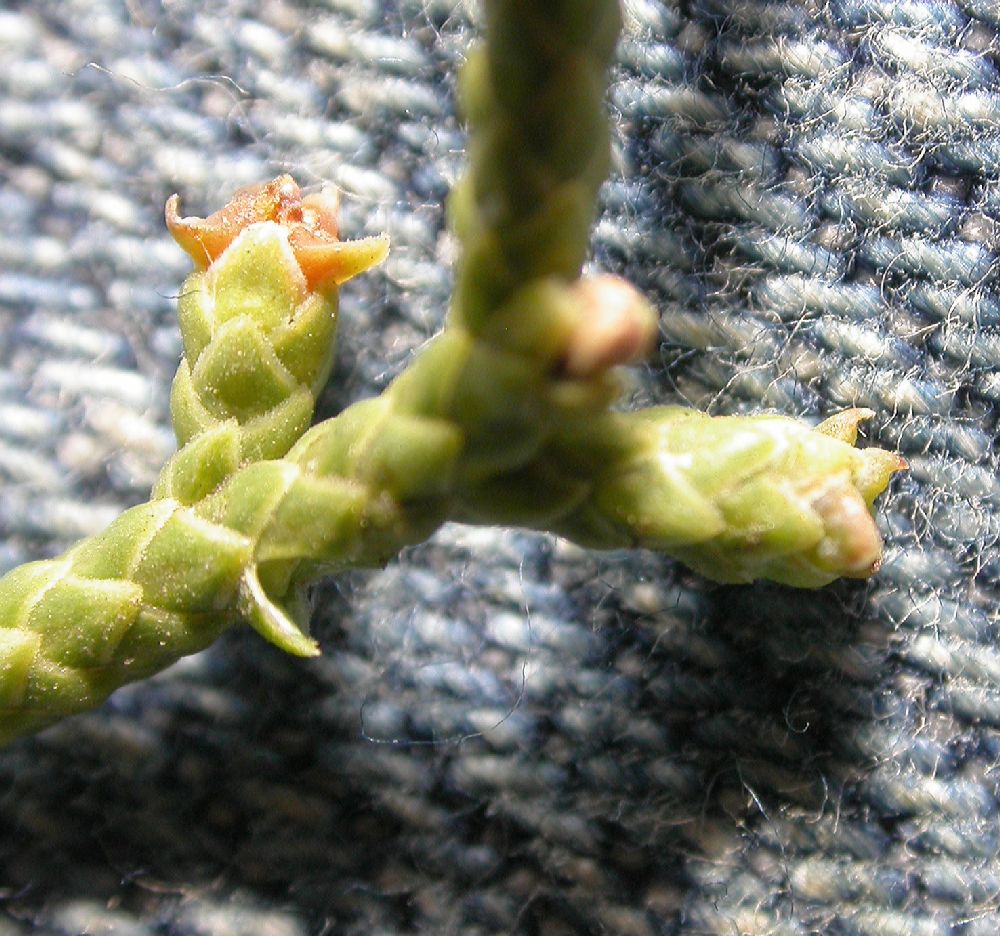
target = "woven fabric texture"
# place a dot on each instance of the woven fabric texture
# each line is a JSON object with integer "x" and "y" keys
{"x": 507, "y": 734}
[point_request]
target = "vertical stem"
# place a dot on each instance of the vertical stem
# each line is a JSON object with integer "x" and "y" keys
{"x": 538, "y": 151}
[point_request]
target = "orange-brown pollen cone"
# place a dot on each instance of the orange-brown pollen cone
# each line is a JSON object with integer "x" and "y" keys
{"x": 310, "y": 222}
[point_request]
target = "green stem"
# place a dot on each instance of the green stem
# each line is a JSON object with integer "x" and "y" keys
{"x": 538, "y": 148}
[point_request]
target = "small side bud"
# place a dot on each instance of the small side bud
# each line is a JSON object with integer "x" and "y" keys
{"x": 851, "y": 542}
{"x": 616, "y": 326}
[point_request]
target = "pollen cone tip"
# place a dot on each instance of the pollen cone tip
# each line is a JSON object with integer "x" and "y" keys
{"x": 310, "y": 224}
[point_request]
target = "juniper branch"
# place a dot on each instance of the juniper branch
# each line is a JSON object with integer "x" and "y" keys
{"x": 504, "y": 418}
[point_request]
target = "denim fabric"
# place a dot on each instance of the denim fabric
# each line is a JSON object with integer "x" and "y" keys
{"x": 507, "y": 734}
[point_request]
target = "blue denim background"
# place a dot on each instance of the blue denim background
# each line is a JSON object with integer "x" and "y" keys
{"x": 506, "y": 733}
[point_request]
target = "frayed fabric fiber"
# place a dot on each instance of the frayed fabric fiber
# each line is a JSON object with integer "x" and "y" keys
{"x": 506, "y": 733}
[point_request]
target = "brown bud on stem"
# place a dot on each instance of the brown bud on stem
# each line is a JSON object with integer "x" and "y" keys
{"x": 616, "y": 326}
